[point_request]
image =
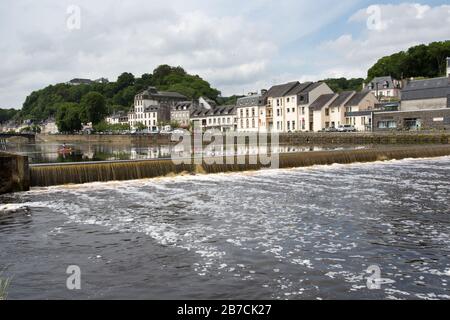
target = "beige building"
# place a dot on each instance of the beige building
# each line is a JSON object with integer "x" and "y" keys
{"x": 288, "y": 105}
{"x": 349, "y": 107}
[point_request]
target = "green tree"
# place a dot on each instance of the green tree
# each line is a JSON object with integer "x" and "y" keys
{"x": 418, "y": 61}
{"x": 68, "y": 117}
{"x": 140, "y": 126}
{"x": 94, "y": 107}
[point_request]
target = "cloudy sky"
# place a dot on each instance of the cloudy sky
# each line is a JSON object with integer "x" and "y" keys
{"x": 238, "y": 46}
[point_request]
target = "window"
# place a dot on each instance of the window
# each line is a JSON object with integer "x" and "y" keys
{"x": 278, "y": 112}
{"x": 278, "y": 102}
{"x": 293, "y": 125}
{"x": 242, "y": 123}
{"x": 242, "y": 113}
{"x": 246, "y": 113}
{"x": 387, "y": 124}
{"x": 253, "y": 123}
{"x": 303, "y": 110}
{"x": 303, "y": 124}
{"x": 287, "y": 110}
{"x": 246, "y": 123}
{"x": 288, "y": 125}
{"x": 287, "y": 100}
{"x": 253, "y": 112}
{"x": 327, "y": 111}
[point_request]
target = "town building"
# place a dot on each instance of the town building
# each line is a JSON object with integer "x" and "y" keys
{"x": 425, "y": 94}
{"x": 384, "y": 88}
{"x": 119, "y": 117}
{"x": 49, "y": 126}
{"x": 222, "y": 118}
{"x": 181, "y": 113}
{"x": 288, "y": 105}
{"x": 152, "y": 108}
{"x": 349, "y": 107}
{"x": 251, "y": 113}
{"x": 358, "y": 110}
{"x": 78, "y": 81}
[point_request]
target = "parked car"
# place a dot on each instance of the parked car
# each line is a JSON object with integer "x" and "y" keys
{"x": 330, "y": 129}
{"x": 346, "y": 128}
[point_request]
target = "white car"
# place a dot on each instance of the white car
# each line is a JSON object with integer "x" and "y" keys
{"x": 346, "y": 128}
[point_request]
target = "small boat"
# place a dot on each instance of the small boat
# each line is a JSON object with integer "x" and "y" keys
{"x": 65, "y": 150}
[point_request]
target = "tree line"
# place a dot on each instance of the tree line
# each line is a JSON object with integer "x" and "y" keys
{"x": 65, "y": 101}
{"x": 427, "y": 61}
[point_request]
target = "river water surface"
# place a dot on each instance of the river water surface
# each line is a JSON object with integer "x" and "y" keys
{"x": 307, "y": 233}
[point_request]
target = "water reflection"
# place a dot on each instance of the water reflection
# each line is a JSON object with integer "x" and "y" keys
{"x": 48, "y": 152}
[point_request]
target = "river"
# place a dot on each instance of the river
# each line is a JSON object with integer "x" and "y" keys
{"x": 306, "y": 233}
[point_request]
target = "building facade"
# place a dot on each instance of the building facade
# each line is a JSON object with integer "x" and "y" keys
{"x": 181, "y": 113}
{"x": 385, "y": 89}
{"x": 251, "y": 113}
{"x": 349, "y": 107}
{"x": 152, "y": 108}
{"x": 425, "y": 94}
{"x": 222, "y": 118}
{"x": 288, "y": 105}
{"x": 117, "y": 118}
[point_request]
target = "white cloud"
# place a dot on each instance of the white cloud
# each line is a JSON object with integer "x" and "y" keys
{"x": 230, "y": 43}
{"x": 404, "y": 25}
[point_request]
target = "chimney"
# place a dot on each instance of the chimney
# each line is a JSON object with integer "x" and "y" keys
{"x": 263, "y": 91}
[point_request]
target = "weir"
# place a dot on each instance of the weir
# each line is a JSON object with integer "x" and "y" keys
{"x": 76, "y": 173}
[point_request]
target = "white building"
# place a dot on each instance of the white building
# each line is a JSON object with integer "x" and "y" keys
{"x": 49, "y": 127}
{"x": 152, "y": 108}
{"x": 288, "y": 105}
{"x": 251, "y": 113}
{"x": 222, "y": 118}
{"x": 117, "y": 118}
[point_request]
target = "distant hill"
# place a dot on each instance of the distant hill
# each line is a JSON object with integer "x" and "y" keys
{"x": 420, "y": 61}
{"x": 119, "y": 95}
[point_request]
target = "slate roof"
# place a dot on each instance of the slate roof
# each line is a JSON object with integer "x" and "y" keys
{"x": 322, "y": 100}
{"x": 342, "y": 98}
{"x": 300, "y": 87}
{"x": 357, "y": 98}
{"x": 281, "y": 89}
{"x": 183, "y": 105}
{"x": 426, "y": 89}
{"x": 381, "y": 82}
{"x": 216, "y": 111}
{"x": 152, "y": 92}
{"x": 250, "y": 101}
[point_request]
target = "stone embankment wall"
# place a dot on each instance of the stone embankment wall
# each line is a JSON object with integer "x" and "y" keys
{"x": 14, "y": 173}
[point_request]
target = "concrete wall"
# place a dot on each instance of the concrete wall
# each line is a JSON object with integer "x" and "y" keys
{"x": 438, "y": 119}
{"x": 14, "y": 173}
{"x": 412, "y": 105}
